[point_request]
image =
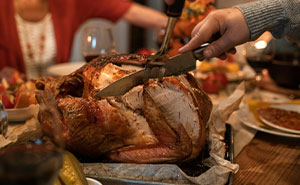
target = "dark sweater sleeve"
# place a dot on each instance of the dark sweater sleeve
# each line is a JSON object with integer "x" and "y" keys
{"x": 280, "y": 17}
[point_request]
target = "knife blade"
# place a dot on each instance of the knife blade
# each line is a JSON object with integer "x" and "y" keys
{"x": 173, "y": 12}
{"x": 176, "y": 65}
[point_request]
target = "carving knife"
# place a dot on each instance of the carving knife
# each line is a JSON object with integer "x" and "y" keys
{"x": 176, "y": 65}
{"x": 123, "y": 85}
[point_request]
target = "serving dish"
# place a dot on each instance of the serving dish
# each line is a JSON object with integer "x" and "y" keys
{"x": 92, "y": 181}
{"x": 21, "y": 114}
{"x": 269, "y": 131}
{"x": 246, "y": 117}
{"x": 288, "y": 107}
{"x": 64, "y": 69}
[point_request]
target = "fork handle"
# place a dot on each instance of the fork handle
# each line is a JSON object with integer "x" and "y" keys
{"x": 175, "y": 9}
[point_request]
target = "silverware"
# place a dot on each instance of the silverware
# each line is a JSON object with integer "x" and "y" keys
{"x": 159, "y": 64}
{"x": 159, "y": 58}
{"x": 176, "y": 65}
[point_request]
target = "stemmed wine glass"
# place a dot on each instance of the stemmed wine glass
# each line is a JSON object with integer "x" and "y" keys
{"x": 38, "y": 160}
{"x": 96, "y": 41}
{"x": 259, "y": 55}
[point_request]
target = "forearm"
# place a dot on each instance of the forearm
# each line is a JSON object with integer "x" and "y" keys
{"x": 280, "y": 17}
{"x": 145, "y": 17}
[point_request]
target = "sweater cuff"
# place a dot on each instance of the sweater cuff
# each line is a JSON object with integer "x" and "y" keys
{"x": 262, "y": 16}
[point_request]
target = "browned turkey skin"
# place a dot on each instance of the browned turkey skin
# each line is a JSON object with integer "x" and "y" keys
{"x": 159, "y": 122}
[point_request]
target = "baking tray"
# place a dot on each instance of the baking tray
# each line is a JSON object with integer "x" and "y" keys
{"x": 191, "y": 169}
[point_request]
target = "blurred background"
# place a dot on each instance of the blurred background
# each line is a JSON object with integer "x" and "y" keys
{"x": 130, "y": 38}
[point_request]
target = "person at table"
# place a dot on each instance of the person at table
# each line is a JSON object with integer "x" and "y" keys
{"x": 39, "y": 33}
{"x": 245, "y": 22}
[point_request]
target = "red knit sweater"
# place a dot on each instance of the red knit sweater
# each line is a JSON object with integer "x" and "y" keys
{"x": 67, "y": 16}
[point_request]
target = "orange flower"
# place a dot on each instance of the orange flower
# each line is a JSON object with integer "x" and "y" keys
{"x": 193, "y": 12}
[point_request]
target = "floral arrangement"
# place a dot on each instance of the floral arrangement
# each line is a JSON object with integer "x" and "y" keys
{"x": 193, "y": 12}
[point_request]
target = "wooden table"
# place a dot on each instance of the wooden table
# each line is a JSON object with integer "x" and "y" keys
{"x": 269, "y": 159}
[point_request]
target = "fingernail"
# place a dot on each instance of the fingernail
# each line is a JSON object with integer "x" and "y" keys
{"x": 181, "y": 50}
{"x": 207, "y": 53}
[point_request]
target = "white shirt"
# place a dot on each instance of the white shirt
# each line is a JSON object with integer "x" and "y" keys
{"x": 30, "y": 33}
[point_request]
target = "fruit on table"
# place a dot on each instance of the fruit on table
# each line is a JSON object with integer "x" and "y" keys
{"x": 232, "y": 67}
{"x": 25, "y": 98}
{"x": 146, "y": 51}
{"x": 6, "y": 101}
{"x": 25, "y": 94}
{"x": 214, "y": 82}
{"x": 5, "y": 97}
{"x": 222, "y": 77}
{"x": 206, "y": 66}
{"x": 21, "y": 96}
{"x": 12, "y": 76}
{"x": 14, "y": 91}
{"x": 71, "y": 172}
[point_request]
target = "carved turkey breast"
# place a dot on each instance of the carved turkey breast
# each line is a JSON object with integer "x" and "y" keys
{"x": 159, "y": 122}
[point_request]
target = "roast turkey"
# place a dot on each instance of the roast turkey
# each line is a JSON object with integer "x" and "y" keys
{"x": 161, "y": 121}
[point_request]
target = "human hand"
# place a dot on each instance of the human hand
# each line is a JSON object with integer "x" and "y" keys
{"x": 230, "y": 23}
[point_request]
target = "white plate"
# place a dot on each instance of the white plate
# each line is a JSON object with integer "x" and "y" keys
{"x": 21, "y": 114}
{"x": 93, "y": 181}
{"x": 64, "y": 69}
{"x": 246, "y": 117}
{"x": 288, "y": 107}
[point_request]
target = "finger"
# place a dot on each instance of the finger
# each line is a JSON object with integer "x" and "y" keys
{"x": 192, "y": 44}
{"x": 201, "y": 35}
{"x": 219, "y": 46}
{"x": 169, "y": 2}
{"x": 223, "y": 56}
{"x": 232, "y": 51}
{"x": 196, "y": 28}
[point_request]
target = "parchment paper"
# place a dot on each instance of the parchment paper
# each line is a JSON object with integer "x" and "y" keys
{"x": 21, "y": 132}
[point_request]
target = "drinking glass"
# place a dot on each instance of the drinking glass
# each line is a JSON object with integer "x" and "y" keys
{"x": 96, "y": 41}
{"x": 37, "y": 161}
{"x": 259, "y": 55}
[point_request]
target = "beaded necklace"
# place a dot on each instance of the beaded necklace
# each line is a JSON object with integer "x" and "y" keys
{"x": 34, "y": 55}
{"x": 33, "y": 38}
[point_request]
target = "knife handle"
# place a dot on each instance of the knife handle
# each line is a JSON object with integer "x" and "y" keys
{"x": 175, "y": 9}
{"x": 198, "y": 52}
